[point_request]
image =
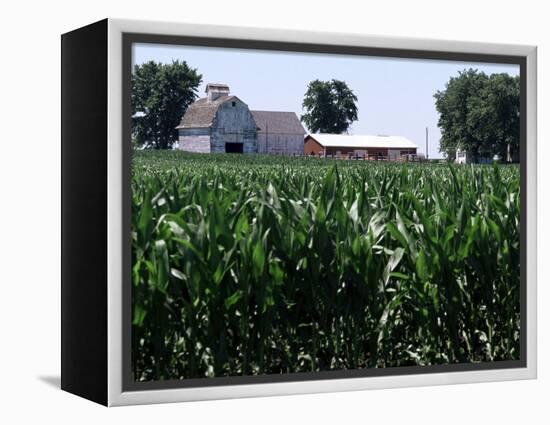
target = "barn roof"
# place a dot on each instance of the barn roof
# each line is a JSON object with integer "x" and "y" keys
{"x": 222, "y": 86}
{"x": 202, "y": 112}
{"x": 278, "y": 122}
{"x": 362, "y": 141}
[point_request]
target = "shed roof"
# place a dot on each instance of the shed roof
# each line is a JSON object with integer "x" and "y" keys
{"x": 202, "y": 112}
{"x": 278, "y": 122}
{"x": 362, "y": 141}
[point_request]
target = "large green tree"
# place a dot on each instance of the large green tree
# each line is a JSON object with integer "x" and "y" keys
{"x": 453, "y": 105}
{"x": 330, "y": 107}
{"x": 160, "y": 95}
{"x": 479, "y": 114}
{"x": 494, "y": 116}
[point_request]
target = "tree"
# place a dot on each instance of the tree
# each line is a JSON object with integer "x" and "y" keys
{"x": 479, "y": 114}
{"x": 494, "y": 116}
{"x": 330, "y": 107}
{"x": 161, "y": 94}
{"x": 453, "y": 105}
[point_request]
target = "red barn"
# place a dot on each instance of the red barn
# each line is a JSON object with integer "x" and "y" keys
{"x": 388, "y": 147}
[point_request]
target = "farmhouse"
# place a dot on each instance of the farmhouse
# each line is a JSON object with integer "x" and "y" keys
{"x": 221, "y": 122}
{"x": 465, "y": 157}
{"x": 388, "y": 147}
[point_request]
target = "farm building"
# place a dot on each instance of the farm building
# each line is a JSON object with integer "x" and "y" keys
{"x": 221, "y": 122}
{"x": 464, "y": 157}
{"x": 279, "y": 132}
{"x": 388, "y": 147}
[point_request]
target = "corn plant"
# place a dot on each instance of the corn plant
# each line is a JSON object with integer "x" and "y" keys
{"x": 249, "y": 265}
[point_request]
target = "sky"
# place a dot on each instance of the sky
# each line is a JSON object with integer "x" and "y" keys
{"x": 395, "y": 96}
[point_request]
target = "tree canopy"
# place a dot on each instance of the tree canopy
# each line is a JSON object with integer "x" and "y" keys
{"x": 160, "y": 95}
{"x": 479, "y": 113}
{"x": 329, "y": 107}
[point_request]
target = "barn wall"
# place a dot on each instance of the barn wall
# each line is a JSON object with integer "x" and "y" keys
{"x": 345, "y": 150}
{"x": 281, "y": 144}
{"x": 194, "y": 140}
{"x": 233, "y": 124}
{"x": 312, "y": 147}
{"x": 370, "y": 151}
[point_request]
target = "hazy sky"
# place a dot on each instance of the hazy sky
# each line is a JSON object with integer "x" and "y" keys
{"x": 395, "y": 96}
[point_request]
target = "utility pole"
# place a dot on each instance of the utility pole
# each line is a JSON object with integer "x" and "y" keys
{"x": 427, "y": 155}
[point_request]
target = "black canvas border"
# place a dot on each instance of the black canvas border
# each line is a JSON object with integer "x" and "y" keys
{"x": 128, "y": 39}
{"x": 84, "y": 73}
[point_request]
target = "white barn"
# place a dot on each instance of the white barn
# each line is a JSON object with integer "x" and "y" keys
{"x": 221, "y": 122}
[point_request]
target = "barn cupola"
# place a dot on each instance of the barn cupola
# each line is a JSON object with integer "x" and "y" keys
{"x": 213, "y": 91}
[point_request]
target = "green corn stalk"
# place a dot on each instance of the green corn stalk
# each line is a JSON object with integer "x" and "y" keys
{"x": 249, "y": 265}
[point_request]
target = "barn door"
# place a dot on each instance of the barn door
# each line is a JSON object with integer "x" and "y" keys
{"x": 234, "y": 148}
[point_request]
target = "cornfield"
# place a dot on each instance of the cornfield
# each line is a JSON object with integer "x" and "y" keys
{"x": 249, "y": 265}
